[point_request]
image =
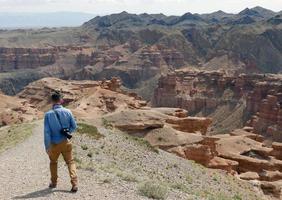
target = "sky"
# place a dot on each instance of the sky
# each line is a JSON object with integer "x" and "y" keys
{"x": 169, "y": 7}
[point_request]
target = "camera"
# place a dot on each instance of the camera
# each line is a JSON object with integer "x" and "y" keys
{"x": 66, "y": 132}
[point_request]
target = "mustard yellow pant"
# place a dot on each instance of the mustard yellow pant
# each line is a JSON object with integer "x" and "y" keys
{"x": 64, "y": 148}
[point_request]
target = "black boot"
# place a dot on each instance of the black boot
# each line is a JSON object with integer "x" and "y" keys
{"x": 52, "y": 185}
{"x": 74, "y": 189}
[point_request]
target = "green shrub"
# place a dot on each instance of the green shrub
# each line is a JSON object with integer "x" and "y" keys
{"x": 106, "y": 180}
{"x": 153, "y": 190}
{"x": 127, "y": 177}
{"x": 90, "y": 154}
{"x": 189, "y": 179}
{"x": 107, "y": 124}
{"x": 144, "y": 143}
{"x": 221, "y": 196}
{"x": 84, "y": 147}
{"x": 89, "y": 130}
{"x": 180, "y": 187}
{"x": 236, "y": 197}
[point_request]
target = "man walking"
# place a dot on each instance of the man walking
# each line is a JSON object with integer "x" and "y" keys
{"x": 59, "y": 124}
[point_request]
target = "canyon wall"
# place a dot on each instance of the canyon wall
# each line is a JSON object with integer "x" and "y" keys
{"x": 132, "y": 65}
{"x": 22, "y": 58}
{"x": 200, "y": 92}
{"x": 21, "y": 66}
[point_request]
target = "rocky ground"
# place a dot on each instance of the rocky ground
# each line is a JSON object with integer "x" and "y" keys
{"x": 14, "y": 110}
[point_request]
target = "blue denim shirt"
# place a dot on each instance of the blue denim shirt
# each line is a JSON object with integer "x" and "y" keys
{"x": 52, "y": 127}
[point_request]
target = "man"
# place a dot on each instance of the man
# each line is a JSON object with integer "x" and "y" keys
{"x": 56, "y": 142}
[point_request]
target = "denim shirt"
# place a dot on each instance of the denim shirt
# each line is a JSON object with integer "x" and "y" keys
{"x": 52, "y": 127}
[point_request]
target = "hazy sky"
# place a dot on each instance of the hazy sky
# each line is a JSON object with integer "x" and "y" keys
{"x": 176, "y": 7}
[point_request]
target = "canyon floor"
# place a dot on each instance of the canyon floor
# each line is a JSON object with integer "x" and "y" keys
{"x": 114, "y": 166}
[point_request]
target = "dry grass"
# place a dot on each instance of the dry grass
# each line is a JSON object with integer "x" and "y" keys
{"x": 12, "y": 135}
{"x": 152, "y": 189}
{"x": 142, "y": 142}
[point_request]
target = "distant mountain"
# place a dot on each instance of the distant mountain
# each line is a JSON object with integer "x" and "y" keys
{"x": 216, "y": 16}
{"x": 37, "y": 20}
{"x": 276, "y": 20}
{"x": 252, "y": 37}
{"x": 126, "y": 20}
{"x": 121, "y": 19}
{"x": 266, "y": 13}
{"x": 250, "y": 12}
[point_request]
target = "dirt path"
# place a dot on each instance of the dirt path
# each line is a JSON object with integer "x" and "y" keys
{"x": 24, "y": 174}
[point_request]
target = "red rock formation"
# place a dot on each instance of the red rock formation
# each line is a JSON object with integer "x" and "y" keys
{"x": 14, "y": 111}
{"x": 240, "y": 152}
{"x": 166, "y": 94}
{"x": 153, "y": 57}
{"x": 190, "y": 124}
{"x": 205, "y": 91}
{"x": 85, "y": 98}
{"x": 22, "y": 58}
{"x": 185, "y": 90}
{"x": 106, "y": 58}
{"x": 114, "y": 84}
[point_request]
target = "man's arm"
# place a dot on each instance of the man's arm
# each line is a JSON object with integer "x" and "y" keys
{"x": 73, "y": 124}
{"x": 47, "y": 133}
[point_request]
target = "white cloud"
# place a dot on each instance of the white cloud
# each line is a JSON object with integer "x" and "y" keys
{"x": 176, "y": 7}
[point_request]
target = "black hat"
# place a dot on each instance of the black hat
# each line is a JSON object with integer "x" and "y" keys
{"x": 56, "y": 96}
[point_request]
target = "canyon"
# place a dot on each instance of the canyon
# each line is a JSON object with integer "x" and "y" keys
{"x": 139, "y": 48}
{"x": 206, "y": 88}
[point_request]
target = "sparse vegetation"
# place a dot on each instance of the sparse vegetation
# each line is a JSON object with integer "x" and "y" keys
{"x": 77, "y": 160}
{"x": 84, "y": 147}
{"x": 90, "y": 154}
{"x": 107, "y": 124}
{"x": 221, "y": 196}
{"x": 189, "y": 179}
{"x": 236, "y": 197}
{"x": 106, "y": 180}
{"x": 180, "y": 187}
{"x": 152, "y": 189}
{"x": 143, "y": 142}
{"x": 113, "y": 169}
{"x": 216, "y": 195}
{"x": 127, "y": 177}
{"x": 216, "y": 178}
{"x": 89, "y": 130}
{"x": 12, "y": 135}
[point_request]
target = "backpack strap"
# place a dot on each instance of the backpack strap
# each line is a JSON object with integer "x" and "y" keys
{"x": 58, "y": 118}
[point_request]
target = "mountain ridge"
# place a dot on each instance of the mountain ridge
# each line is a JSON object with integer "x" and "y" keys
{"x": 256, "y": 14}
